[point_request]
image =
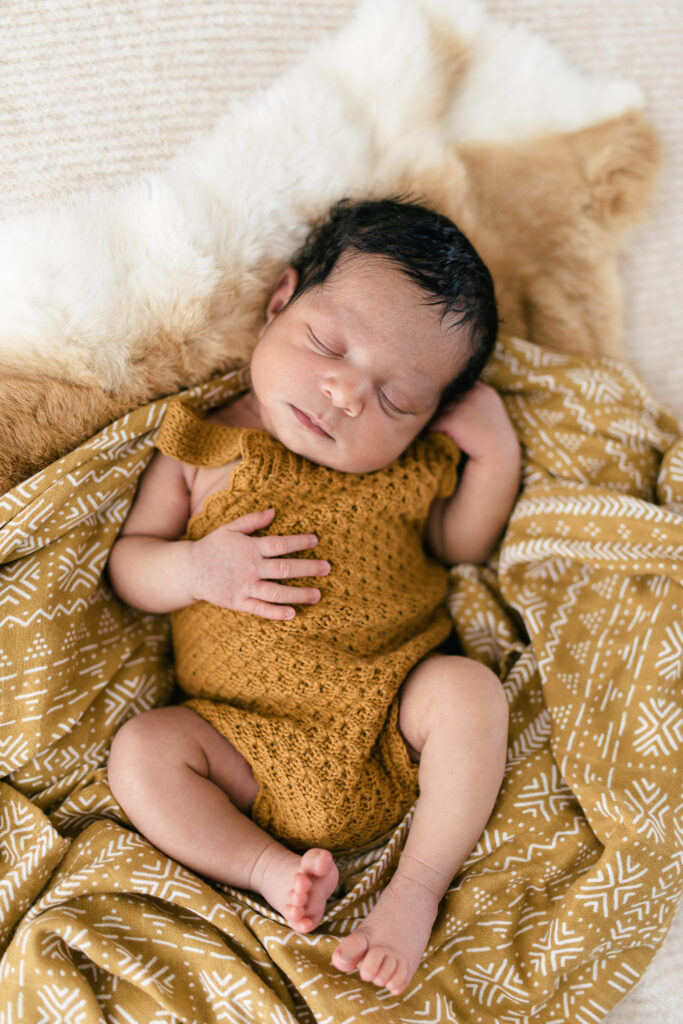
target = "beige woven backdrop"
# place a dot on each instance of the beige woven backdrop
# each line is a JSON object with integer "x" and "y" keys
{"x": 96, "y": 92}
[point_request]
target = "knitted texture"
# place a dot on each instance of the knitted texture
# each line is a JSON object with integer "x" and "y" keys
{"x": 312, "y": 703}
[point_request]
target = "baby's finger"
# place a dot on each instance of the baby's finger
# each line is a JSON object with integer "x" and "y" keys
{"x": 275, "y": 546}
{"x": 251, "y": 521}
{"x": 276, "y": 593}
{"x": 291, "y": 568}
{"x": 268, "y": 611}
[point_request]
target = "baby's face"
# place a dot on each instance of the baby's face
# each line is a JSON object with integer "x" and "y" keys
{"x": 349, "y": 373}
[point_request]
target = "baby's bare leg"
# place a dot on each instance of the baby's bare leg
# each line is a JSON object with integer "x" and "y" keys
{"x": 453, "y": 715}
{"x": 187, "y": 789}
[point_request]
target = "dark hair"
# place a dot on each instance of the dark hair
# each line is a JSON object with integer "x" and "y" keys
{"x": 429, "y": 249}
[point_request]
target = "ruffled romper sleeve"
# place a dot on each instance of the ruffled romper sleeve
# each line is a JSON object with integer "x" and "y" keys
{"x": 186, "y": 436}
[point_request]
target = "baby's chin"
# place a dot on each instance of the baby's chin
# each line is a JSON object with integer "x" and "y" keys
{"x": 340, "y": 461}
{"x": 326, "y": 451}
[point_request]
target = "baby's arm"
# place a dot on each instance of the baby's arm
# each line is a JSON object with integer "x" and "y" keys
{"x": 467, "y": 526}
{"x": 154, "y": 571}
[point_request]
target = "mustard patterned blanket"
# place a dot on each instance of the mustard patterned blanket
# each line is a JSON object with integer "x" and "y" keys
{"x": 572, "y": 886}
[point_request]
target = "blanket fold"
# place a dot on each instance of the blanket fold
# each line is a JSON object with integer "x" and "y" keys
{"x": 574, "y": 882}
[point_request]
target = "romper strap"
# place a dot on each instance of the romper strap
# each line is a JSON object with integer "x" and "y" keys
{"x": 187, "y": 437}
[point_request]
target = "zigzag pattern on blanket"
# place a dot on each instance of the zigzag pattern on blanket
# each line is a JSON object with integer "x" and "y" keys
{"x": 570, "y": 890}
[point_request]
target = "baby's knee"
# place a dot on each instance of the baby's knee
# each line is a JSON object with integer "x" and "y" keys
{"x": 482, "y": 691}
{"x": 485, "y": 687}
{"x": 135, "y": 748}
{"x": 445, "y": 691}
{"x": 462, "y": 686}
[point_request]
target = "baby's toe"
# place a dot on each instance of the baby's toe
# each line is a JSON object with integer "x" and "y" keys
{"x": 350, "y": 951}
{"x": 302, "y": 884}
{"x": 372, "y": 962}
{"x": 317, "y": 862}
{"x": 385, "y": 971}
{"x": 300, "y": 924}
{"x": 296, "y": 899}
{"x": 399, "y": 979}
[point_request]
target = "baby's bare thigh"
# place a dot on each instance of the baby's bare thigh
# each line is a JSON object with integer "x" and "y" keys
{"x": 177, "y": 735}
{"x": 439, "y": 689}
{"x": 228, "y": 768}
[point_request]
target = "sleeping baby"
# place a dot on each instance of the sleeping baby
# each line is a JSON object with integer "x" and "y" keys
{"x": 365, "y": 457}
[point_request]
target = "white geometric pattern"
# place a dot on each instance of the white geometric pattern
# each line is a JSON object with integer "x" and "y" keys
{"x": 557, "y": 950}
{"x": 650, "y": 809}
{"x": 660, "y": 727}
{"x": 578, "y": 869}
{"x": 670, "y": 659}
{"x": 493, "y": 984}
{"x": 59, "y": 1004}
{"x": 230, "y": 998}
{"x": 610, "y": 888}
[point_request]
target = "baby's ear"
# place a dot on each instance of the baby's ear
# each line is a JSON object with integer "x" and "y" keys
{"x": 282, "y": 293}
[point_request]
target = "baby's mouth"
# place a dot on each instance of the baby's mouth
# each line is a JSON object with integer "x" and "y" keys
{"x": 310, "y": 423}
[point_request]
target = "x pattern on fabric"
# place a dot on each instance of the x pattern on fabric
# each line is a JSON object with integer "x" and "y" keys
{"x": 572, "y": 886}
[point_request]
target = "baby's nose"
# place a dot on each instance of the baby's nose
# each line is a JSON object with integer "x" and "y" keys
{"x": 344, "y": 393}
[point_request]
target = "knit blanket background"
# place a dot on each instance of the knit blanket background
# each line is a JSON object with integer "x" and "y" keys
{"x": 573, "y": 884}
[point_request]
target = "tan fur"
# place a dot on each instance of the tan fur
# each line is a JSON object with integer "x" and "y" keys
{"x": 44, "y": 419}
{"x": 547, "y": 216}
{"x": 222, "y": 339}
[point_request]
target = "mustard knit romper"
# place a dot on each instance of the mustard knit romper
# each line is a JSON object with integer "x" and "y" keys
{"x": 311, "y": 703}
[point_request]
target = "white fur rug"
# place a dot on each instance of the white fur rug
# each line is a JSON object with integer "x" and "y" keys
{"x": 94, "y": 99}
{"x": 85, "y": 285}
{"x": 93, "y": 96}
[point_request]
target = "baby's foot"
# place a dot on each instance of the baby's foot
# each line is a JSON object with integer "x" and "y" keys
{"x": 314, "y": 883}
{"x": 299, "y": 887}
{"x": 388, "y": 946}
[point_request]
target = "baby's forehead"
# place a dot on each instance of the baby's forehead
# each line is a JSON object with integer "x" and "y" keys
{"x": 375, "y": 286}
{"x": 421, "y": 359}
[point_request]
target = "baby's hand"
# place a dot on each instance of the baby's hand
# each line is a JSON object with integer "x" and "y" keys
{"x": 478, "y": 423}
{"x": 231, "y": 569}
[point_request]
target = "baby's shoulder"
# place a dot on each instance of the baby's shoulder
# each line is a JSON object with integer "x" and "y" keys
{"x": 168, "y": 473}
{"x": 241, "y": 412}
